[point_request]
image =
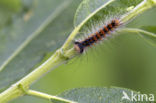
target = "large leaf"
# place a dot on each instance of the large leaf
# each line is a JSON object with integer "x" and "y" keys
{"x": 25, "y": 43}
{"x": 100, "y": 95}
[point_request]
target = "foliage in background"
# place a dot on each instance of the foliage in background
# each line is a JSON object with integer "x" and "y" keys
{"x": 7, "y": 9}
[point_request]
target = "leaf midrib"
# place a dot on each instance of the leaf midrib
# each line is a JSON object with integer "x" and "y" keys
{"x": 49, "y": 19}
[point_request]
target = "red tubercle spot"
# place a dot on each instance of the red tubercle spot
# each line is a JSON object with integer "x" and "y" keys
{"x": 97, "y": 33}
{"x": 94, "y": 37}
{"x": 102, "y": 32}
{"x": 106, "y": 30}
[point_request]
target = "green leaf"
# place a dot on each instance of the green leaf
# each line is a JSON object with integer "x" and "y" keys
{"x": 149, "y": 28}
{"x": 7, "y": 9}
{"x": 25, "y": 43}
{"x": 148, "y": 36}
{"x": 98, "y": 95}
{"x": 145, "y": 26}
{"x": 12, "y": 5}
{"x": 145, "y": 21}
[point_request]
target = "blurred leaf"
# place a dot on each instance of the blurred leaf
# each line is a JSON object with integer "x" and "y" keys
{"x": 97, "y": 95}
{"x": 31, "y": 36}
{"x": 146, "y": 22}
{"x": 28, "y": 3}
{"x": 150, "y": 28}
{"x": 7, "y": 9}
{"x": 12, "y": 5}
{"x": 148, "y": 36}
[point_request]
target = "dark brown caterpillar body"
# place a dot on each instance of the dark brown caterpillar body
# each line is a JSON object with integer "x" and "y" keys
{"x": 81, "y": 45}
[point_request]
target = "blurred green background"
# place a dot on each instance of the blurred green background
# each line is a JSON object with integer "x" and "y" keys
{"x": 125, "y": 60}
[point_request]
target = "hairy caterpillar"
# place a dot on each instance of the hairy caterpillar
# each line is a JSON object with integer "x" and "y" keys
{"x": 80, "y": 46}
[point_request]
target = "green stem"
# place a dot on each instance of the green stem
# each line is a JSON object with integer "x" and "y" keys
{"x": 143, "y": 6}
{"x": 47, "y": 96}
{"x": 138, "y": 31}
{"x": 147, "y": 36}
{"x": 21, "y": 86}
